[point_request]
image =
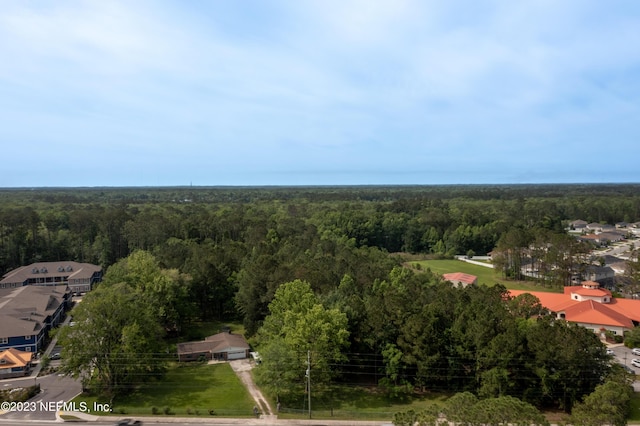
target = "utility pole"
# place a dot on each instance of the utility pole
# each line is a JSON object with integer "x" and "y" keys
{"x": 309, "y": 379}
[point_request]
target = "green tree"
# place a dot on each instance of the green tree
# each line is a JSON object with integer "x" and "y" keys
{"x": 298, "y": 325}
{"x": 632, "y": 338}
{"x": 632, "y": 271}
{"x": 569, "y": 361}
{"x": 115, "y": 342}
{"x": 466, "y": 409}
{"x": 165, "y": 290}
{"x": 608, "y": 404}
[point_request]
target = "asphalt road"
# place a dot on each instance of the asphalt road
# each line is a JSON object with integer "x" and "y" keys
{"x": 54, "y": 390}
{"x": 224, "y": 422}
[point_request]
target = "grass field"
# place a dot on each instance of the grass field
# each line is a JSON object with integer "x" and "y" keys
{"x": 485, "y": 275}
{"x": 187, "y": 390}
{"x": 634, "y": 414}
{"x": 358, "y": 403}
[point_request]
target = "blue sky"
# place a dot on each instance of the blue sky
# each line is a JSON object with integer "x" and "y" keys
{"x": 154, "y": 93}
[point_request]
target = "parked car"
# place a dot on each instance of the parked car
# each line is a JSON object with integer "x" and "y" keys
{"x": 635, "y": 362}
{"x": 628, "y": 369}
{"x": 55, "y": 356}
{"x": 609, "y": 351}
{"x": 635, "y": 351}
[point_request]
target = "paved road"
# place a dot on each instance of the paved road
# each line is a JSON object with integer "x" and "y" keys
{"x": 218, "y": 422}
{"x": 54, "y": 390}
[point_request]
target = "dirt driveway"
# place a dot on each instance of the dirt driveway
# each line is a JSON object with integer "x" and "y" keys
{"x": 242, "y": 368}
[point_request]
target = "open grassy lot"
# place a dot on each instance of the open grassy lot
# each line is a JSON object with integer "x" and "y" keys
{"x": 187, "y": 390}
{"x": 485, "y": 275}
{"x": 358, "y": 403}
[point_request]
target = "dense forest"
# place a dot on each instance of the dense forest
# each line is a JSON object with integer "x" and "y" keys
{"x": 233, "y": 248}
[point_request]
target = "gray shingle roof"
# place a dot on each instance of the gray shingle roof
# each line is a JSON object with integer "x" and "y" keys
{"x": 23, "y": 310}
{"x": 65, "y": 270}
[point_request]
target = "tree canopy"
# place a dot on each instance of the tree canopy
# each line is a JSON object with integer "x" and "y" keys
{"x": 115, "y": 342}
{"x": 300, "y": 329}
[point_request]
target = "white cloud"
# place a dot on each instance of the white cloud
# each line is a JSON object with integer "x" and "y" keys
{"x": 316, "y": 82}
{"x": 100, "y": 37}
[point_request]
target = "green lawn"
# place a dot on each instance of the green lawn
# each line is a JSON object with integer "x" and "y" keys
{"x": 356, "y": 402}
{"x": 485, "y": 275}
{"x": 634, "y": 415}
{"x": 187, "y": 389}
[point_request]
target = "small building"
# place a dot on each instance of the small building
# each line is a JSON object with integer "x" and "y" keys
{"x": 460, "y": 279}
{"x": 79, "y": 277}
{"x": 15, "y": 363}
{"x": 224, "y": 346}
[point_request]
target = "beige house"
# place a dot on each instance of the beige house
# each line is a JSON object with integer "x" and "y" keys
{"x": 224, "y": 346}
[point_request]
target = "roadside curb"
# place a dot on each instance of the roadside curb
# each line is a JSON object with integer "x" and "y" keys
{"x": 263, "y": 420}
{"x": 78, "y": 414}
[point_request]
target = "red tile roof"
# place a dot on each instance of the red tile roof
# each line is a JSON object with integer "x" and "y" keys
{"x": 619, "y": 312}
{"x": 460, "y": 276}
{"x": 593, "y": 292}
{"x": 592, "y": 312}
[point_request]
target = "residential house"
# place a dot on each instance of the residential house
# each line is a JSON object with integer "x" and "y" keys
{"x": 619, "y": 268}
{"x": 604, "y": 275}
{"x": 577, "y": 225}
{"x": 14, "y": 363}
{"x": 460, "y": 279}
{"x": 591, "y": 306}
{"x": 602, "y": 239}
{"x": 224, "y": 346}
{"x": 80, "y": 277}
{"x": 28, "y": 313}
{"x": 594, "y": 227}
{"x": 607, "y": 237}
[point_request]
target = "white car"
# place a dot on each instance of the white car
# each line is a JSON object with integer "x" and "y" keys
{"x": 635, "y": 351}
{"x": 635, "y": 362}
{"x": 610, "y": 352}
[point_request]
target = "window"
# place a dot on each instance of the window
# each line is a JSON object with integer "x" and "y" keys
{"x": 27, "y": 337}
{"x": 4, "y": 340}
{"x": 28, "y": 349}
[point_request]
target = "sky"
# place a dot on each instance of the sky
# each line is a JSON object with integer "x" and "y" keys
{"x": 327, "y": 92}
